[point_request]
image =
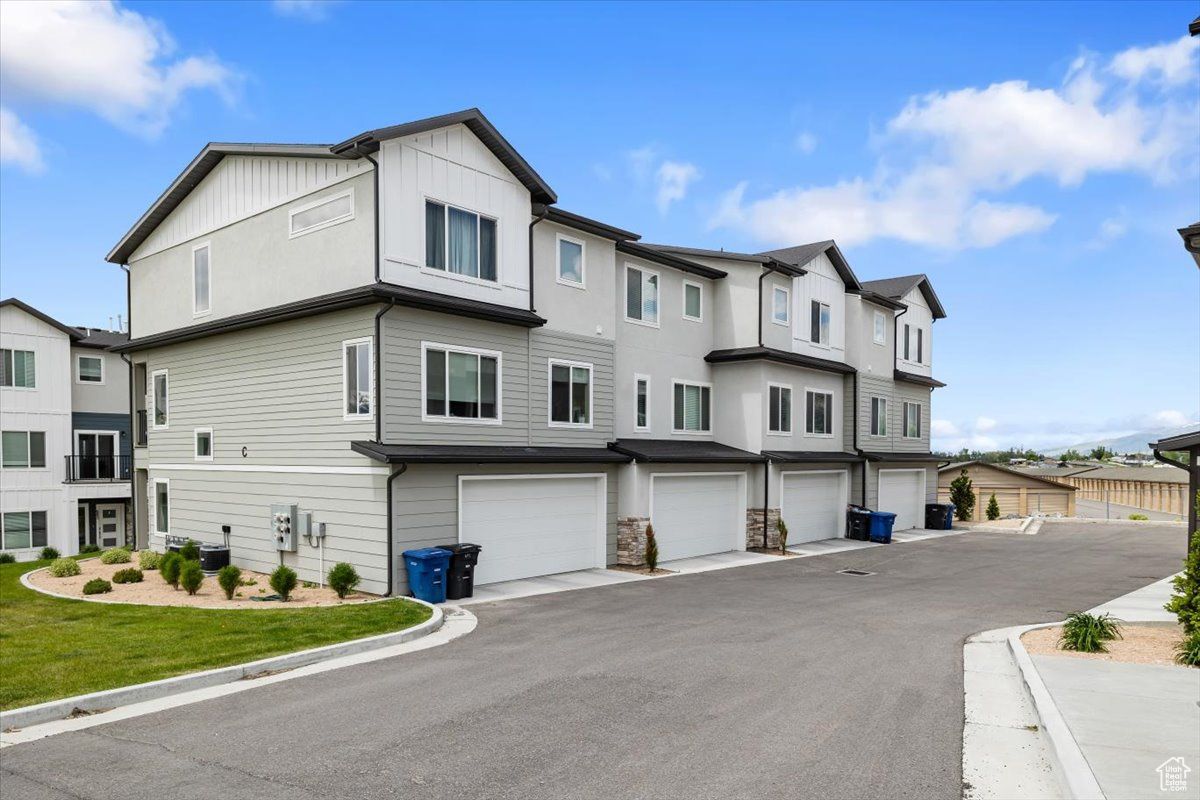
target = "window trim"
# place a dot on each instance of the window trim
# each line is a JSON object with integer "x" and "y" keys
{"x": 329, "y": 223}
{"x": 791, "y": 424}
{"x": 625, "y": 297}
{"x": 154, "y": 482}
{"x": 559, "y": 238}
{"x": 683, "y": 296}
{"x": 550, "y": 422}
{"x": 196, "y": 310}
{"x": 637, "y": 378}
{"x": 12, "y": 373}
{"x": 154, "y": 426}
{"x": 455, "y": 348}
{"x": 880, "y": 324}
{"x": 917, "y": 406}
{"x": 884, "y": 416}
{"x": 445, "y": 272}
{"x": 787, "y": 305}
{"x": 29, "y": 467}
{"x": 196, "y": 432}
{"x": 370, "y": 415}
{"x": 45, "y": 512}
{"x": 679, "y": 382}
{"x": 830, "y": 416}
{"x": 821, "y": 329}
{"x": 103, "y": 372}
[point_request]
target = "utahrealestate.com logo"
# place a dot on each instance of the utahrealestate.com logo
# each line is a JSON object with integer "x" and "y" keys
{"x": 1172, "y": 775}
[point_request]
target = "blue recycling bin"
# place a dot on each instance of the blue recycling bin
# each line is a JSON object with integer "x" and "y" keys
{"x": 881, "y": 526}
{"x": 950, "y": 516}
{"x": 427, "y": 568}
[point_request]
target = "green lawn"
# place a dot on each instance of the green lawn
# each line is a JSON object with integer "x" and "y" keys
{"x": 52, "y": 648}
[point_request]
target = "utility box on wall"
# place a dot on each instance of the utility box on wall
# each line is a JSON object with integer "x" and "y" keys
{"x": 284, "y": 524}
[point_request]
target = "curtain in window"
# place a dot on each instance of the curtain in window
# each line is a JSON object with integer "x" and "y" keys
{"x": 650, "y": 299}
{"x": 24, "y": 372}
{"x": 691, "y": 408}
{"x": 570, "y": 261}
{"x": 691, "y": 298}
{"x": 435, "y": 235}
{"x": 435, "y": 383}
{"x": 15, "y": 446}
{"x": 464, "y": 250}
{"x": 633, "y": 293}
{"x": 90, "y": 369}
{"x": 6, "y": 367}
{"x": 781, "y": 409}
{"x": 464, "y": 384}
{"x": 487, "y": 249}
{"x": 17, "y": 531}
{"x": 781, "y": 305}
{"x": 824, "y": 324}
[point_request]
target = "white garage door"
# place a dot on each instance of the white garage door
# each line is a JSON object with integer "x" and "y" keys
{"x": 813, "y": 505}
{"x": 696, "y": 515}
{"x": 902, "y": 492}
{"x": 531, "y": 526}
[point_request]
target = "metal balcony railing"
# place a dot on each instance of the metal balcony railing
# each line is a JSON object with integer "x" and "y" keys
{"x": 98, "y": 468}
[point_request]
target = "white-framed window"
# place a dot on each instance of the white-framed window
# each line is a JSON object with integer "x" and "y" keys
{"x": 819, "y": 327}
{"x": 18, "y": 369}
{"x": 570, "y": 394}
{"x": 692, "y": 407}
{"x": 323, "y": 213}
{"x": 570, "y": 261}
{"x": 641, "y": 402}
{"x": 779, "y": 416}
{"x": 693, "y": 301}
{"x": 162, "y": 505}
{"x": 159, "y": 417}
{"x": 907, "y": 336}
{"x": 641, "y": 295}
{"x": 203, "y": 441}
{"x": 23, "y": 530}
{"x": 23, "y": 449}
{"x": 358, "y": 378}
{"x": 818, "y": 413}
{"x": 460, "y": 242}
{"x": 781, "y": 305}
{"x": 880, "y": 328}
{"x": 89, "y": 369}
{"x": 201, "y": 279}
{"x": 920, "y": 345}
{"x": 460, "y": 384}
{"x": 879, "y": 416}
{"x": 912, "y": 420}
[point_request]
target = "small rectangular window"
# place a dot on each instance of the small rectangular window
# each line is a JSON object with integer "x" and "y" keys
{"x": 920, "y": 345}
{"x": 17, "y": 369}
{"x": 906, "y": 337}
{"x": 692, "y": 412}
{"x": 880, "y": 328}
{"x": 642, "y": 402}
{"x": 693, "y": 301}
{"x": 435, "y": 235}
{"x": 204, "y": 444}
{"x": 89, "y": 369}
{"x": 570, "y": 261}
{"x": 780, "y": 411}
{"x": 819, "y": 333}
{"x": 162, "y": 506}
{"x": 878, "y": 416}
{"x": 781, "y": 306}
{"x": 912, "y": 420}
{"x": 359, "y": 373}
{"x": 641, "y": 295}
{"x": 324, "y": 213}
{"x": 460, "y": 241}
{"x": 159, "y": 399}
{"x": 23, "y": 530}
{"x": 570, "y": 394}
{"x": 201, "y": 281}
{"x": 818, "y": 413}
{"x": 461, "y": 385}
{"x": 17, "y": 450}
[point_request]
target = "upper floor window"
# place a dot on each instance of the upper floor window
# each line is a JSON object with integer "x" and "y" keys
{"x": 693, "y": 301}
{"x": 17, "y": 369}
{"x": 89, "y": 369}
{"x": 201, "y": 281}
{"x": 23, "y": 530}
{"x": 158, "y": 399}
{"x": 461, "y": 384}
{"x": 323, "y": 213}
{"x": 912, "y": 420}
{"x": 818, "y": 413}
{"x": 460, "y": 242}
{"x": 570, "y": 394}
{"x": 920, "y": 345}
{"x": 820, "y": 323}
{"x": 781, "y": 305}
{"x": 570, "y": 261}
{"x": 203, "y": 440}
{"x": 642, "y": 402}
{"x": 880, "y": 328}
{"x": 641, "y": 295}
{"x": 780, "y": 411}
{"x": 879, "y": 416}
{"x": 23, "y": 449}
{"x": 907, "y": 337}
{"x": 693, "y": 411}
{"x": 359, "y": 373}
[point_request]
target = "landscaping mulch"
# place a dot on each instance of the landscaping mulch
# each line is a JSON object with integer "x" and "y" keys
{"x": 642, "y": 570}
{"x": 1142, "y": 644}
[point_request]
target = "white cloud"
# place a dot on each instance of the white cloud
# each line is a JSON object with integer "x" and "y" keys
{"x": 310, "y": 10}
{"x": 943, "y": 427}
{"x": 1172, "y": 419}
{"x": 18, "y": 144}
{"x": 983, "y": 424}
{"x": 1110, "y": 230}
{"x": 806, "y": 143}
{"x": 103, "y": 58}
{"x": 672, "y": 180}
{"x": 946, "y": 156}
{"x": 1170, "y": 62}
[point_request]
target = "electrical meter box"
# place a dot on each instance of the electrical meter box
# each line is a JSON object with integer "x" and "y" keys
{"x": 284, "y": 525}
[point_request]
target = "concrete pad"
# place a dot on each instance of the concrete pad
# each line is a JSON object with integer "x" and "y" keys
{"x": 547, "y": 584}
{"x": 1003, "y": 763}
{"x": 1143, "y": 605}
{"x": 995, "y": 700}
{"x": 978, "y": 656}
{"x": 735, "y": 558}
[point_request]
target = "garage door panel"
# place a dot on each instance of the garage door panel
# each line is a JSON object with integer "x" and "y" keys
{"x": 696, "y": 515}
{"x": 814, "y": 505}
{"x": 902, "y": 492}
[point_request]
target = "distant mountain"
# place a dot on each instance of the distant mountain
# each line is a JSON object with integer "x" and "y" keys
{"x": 1133, "y": 443}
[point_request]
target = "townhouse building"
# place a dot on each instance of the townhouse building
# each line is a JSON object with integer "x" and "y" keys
{"x": 65, "y": 434}
{"x": 400, "y": 340}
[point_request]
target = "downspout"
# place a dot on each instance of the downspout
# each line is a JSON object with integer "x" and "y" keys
{"x": 862, "y": 489}
{"x": 766, "y": 491}
{"x": 390, "y": 538}
{"x": 378, "y": 399}
{"x": 375, "y": 181}
{"x": 133, "y": 503}
{"x": 538, "y": 217}
{"x": 767, "y": 270}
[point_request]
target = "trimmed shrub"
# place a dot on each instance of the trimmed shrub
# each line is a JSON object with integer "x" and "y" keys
{"x": 117, "y": 555}
{"x": 191, "y": 577}
{"x": 1087, "y": 633}
{"x": 48, "y": 554}
{"x": 128, "y": 575}
{"x": 1185, "y": 602}
{"x": 783, "y": 534}
{"x": 169, "y": 566}
{"x": 190, "y": 551}
{"x": 229, "y": 578}
{"x": 97, "y": 586}
{"x": 962, "y": 495}
{"x": 64, "y": 568}
{"x": 7, "y": 558}
{"x": 1138, "y": 517}
{"x": 89, "y": 548}
{"x": 283, "y": 581}
{"x": 651, "y": 549}
{"x": 1187, "y": 652}
{"x": 993, "y": 508}
{"x": 342, "y": 579}
{"x": 148, "y": 559}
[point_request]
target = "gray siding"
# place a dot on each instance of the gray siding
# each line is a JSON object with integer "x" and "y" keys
{"x": 90, "y": 421}
{"x": 897, "y": 394}
{"x": 544, "y": 345}
{"x": 872, "y": 479}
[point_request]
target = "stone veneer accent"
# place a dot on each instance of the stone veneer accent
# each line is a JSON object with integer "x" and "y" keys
{"x": 631, "y": 541}
{"x": 754, "y": 527}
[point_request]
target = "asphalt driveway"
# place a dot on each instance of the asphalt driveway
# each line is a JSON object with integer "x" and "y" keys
{"x": 783, "y": 680}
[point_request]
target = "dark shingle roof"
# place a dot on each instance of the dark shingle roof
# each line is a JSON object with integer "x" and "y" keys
{"x": 671, "y": 451}
{"x": 920, "y": 380}
{"x": 100, "y": 339}
{"x": 485, "y": 454}
{"x": 896, "y": 288}
{"x": 779, "y": 357}
{"x": 800, "y": 255}
{"x": 1183, "y": 441}
{"x": 958, "y": 465}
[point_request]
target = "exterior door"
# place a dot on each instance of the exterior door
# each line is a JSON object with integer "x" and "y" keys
{"x": 95, "y": 456}
{"x": 697, "y": 514}
{"x": 902, "y": 492}
{"x": 110, "y": 524}
{"x": 813, "y": 504}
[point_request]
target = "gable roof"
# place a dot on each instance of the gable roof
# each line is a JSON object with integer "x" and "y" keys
{"x": 100, "y": 339}
{"x": 699, "y": 251}
{"x": 667, "y": 259}
{"x": 801, "y": 254}
{"x": 896, "y": 288}
{"x": 1182, "y": 441}
{"x": 958, "y": 465}
{"x": 44, "y": 317}
{"x": 579, "y": 222}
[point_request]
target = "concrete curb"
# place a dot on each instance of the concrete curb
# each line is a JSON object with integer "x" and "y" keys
{"x": 1074, "y": 773}
{"x": 112, "y": 698}
{"x": 1138, "y": 522}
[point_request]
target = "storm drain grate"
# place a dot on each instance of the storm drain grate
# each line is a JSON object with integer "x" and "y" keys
{"x": 853, "y": 572}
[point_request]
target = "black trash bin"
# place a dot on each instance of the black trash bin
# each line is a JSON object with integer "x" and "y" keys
{"x": 460, "y": 580}
{"x": 858, "y": 523}
{"x": 936, "y": 516}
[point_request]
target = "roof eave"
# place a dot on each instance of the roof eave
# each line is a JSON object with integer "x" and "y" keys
{"x": 668, "y": 260}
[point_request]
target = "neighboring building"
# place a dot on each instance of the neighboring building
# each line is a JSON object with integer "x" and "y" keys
{"x": 1148, "y": 488}
{"x": 1188, "y": 444}
{"x": 403, "y": 337}
{"x": 64, "y": 414}
{"x": 1018, "y": 491}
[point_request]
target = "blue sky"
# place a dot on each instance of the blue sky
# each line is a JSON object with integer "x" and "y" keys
{"x": 1033, "y": 159}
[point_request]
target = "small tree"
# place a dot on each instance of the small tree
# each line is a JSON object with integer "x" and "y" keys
{"x": 651, "y": 549}
{"x": 993, "y": 508}
{"x": 962, "y": 495}
{"x": 1185, "y": 603}
{"x": 169, "y": 566}
{"x": 283, "y": 581}
{"x": 191, "y": 576}
{"x": 48, "y": 554}
{"x": 190, "y": 551}
{"x": 229, "y": 578}
{"x": 343, "y": 578}
{"x": 783, "y": 534}
{"x": 1101, "y": 453}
